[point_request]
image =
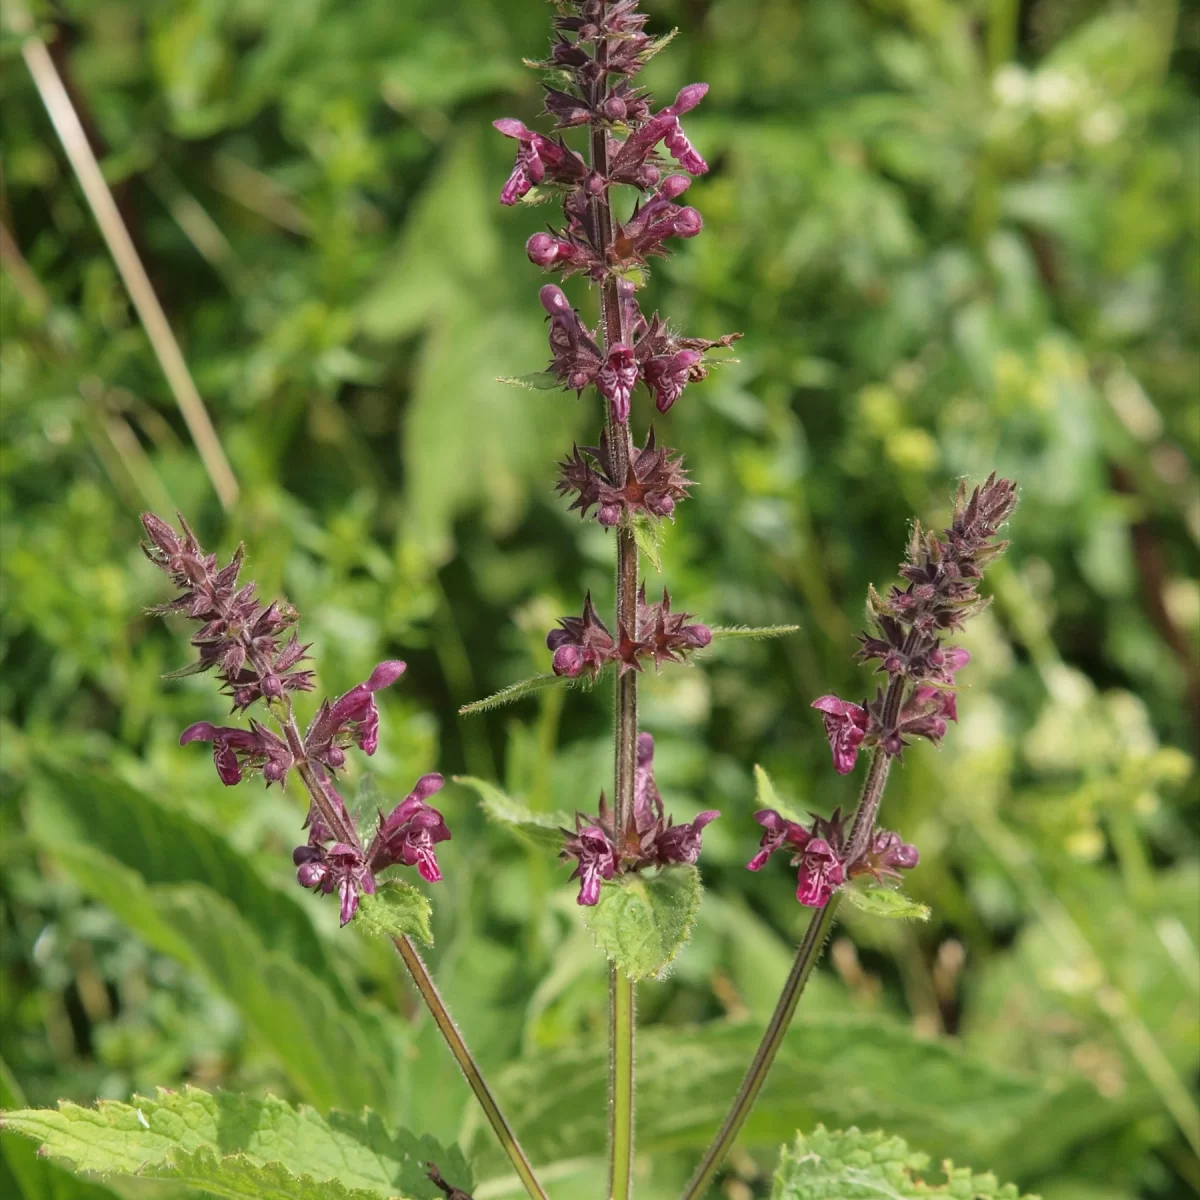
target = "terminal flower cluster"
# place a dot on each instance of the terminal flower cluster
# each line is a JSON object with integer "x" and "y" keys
{"x": 597, "y": 50}
{"x": 909, "y": 627}
{"x": 240, "y": 638}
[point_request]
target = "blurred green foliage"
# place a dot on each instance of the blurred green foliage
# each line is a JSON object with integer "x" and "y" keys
{"x": 958, "y": 237}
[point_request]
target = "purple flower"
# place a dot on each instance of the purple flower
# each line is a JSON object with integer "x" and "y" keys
{"x": 581, "y": 643}
{"x": 845, "y": 726}
{"x": 777, "y": 832}
{"x": 351, "y": 718}
{"x": 537, "y": 157}
{"x": 238, "y": 750}
{"x": 681, "y": 843}
{"x": 409, "y": 833}
{"x": 821, "y": 873}
{"x": 667, "y": 375}
{"x": 616, "y": 380}
{"x": 887, "y": 855}
{"x": 595, "y": 859}
{"x": 663, "y": 126}
{"x": 341, "y": 868}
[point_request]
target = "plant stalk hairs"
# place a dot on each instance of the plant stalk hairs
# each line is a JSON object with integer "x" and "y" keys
{"x": 634, "y": 866}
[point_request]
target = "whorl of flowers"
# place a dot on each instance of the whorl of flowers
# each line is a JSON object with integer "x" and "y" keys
{"x": 240, "y": 637}
{"x": 649, "y": 839}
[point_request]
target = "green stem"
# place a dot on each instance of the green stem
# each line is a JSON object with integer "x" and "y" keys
{"x": 445, "y": 1023}
{"x": 621, "y": 1030}
{"x": 342, "y": 827}
{"x": 806, "y": 959}
{"x": 625, "y": 721}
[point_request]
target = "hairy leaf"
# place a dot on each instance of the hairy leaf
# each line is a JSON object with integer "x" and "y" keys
{"x": 765, "y": 796}
{"x": 849, "y": 1165}
{"x": 837, "y": 1069}
{"x": 882, "y": 901}
{"x": 396, "y": 910}
{"x": 538, "y": 381}
{"x": 26, "y": 1175}
{"x": 753, "y": 632}
{"x": 526, "y": 687}
{"x": 242, "y": 1146}
{"x": 541, "y": 829}
{"x": 514, "y": 691}
{"x": 642, "y": 921}
{"x": 647, "y": 532}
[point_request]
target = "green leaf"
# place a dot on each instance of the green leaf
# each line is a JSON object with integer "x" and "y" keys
{"x": 527, "y": 687}
{"x": 657, "y": 45}
{"x": 514, "y": 691}
{"x": 849, "y": 1165}
{"x": 759, "y": 632}
{"x": 241, "y": 1146}
{"x": 396, "y": 910}
{"x": 284, "y": 1004}
{"x": 24, "y": 1175}
{"x": 831, "y": 1068}
{"x": 165, "y": 845}
{"x": 540, "y": 829}
{"x": 765, "y": 796}
{"x": 882, "y": 901}
{"x": 642, "y": 921}
{"x": 647, "y": 532}
{"x": 538, "y": 381}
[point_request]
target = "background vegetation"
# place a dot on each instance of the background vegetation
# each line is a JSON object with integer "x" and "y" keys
{"x": 958, "y": 236}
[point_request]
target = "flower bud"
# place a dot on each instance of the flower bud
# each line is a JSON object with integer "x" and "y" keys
{"x": 554, "y": 301}
{"x": 688, "y": 222}
{"x": 609, "y": 515}
{"x": 542, "y": 249}
{"x": 567, "y": 660}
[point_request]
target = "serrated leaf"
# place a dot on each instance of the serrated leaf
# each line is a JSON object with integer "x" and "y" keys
{"x": 396, "y": 910}
{"x": 648, "y": 535}
{"x": 540, "y": 829}
{"x": 242, "y": 1146}
{"x": 850, "y": 1165}
{"x": 642, "y": 921}
{"x": 24, "y": 1174}
{"x": 752, "y": 631}
{"x": 882, "y": 901}
{"x": 836, "y": 1069}
{"x": 527, "y": 687}
{"x": 538, "y": 381}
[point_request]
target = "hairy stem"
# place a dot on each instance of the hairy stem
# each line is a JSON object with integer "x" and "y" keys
{"x": 621, "y": 989}
{"x": 806, "y": 958}
{"x": 445, "y": 1023}
{"x": 764, "y": 1056}
{"x": 342, "y": 828}
{"x": 621, "y": 1009}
